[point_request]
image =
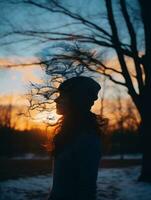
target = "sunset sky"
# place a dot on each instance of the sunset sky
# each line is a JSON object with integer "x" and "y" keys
{"x": 16, "y": 49}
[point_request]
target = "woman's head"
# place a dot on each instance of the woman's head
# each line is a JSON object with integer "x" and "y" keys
{"x": 77, "y": 95}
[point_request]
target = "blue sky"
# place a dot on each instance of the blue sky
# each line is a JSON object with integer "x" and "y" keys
{"x": 16, "y": 80}
{"x": 25, "y": 17}
{"x": 22, "y": 16}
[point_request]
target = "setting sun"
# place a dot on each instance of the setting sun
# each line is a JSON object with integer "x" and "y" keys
{"x": 47, "y": 117}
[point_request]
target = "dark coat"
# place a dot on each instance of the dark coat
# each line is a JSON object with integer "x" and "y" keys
{"x": 76, "y": 168}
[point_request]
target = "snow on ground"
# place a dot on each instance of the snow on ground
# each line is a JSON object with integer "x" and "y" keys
{"x": 125, "y": 156}
{"x": 32, "y": 156}
{"x": 113, "y": 184}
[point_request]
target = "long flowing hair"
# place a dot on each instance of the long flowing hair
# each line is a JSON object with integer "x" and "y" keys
{"x": 70, "y": 127}
{"x": 81, "y": 93}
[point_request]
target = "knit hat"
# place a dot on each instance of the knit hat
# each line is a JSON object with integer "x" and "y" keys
{"x": 82, "y": 85}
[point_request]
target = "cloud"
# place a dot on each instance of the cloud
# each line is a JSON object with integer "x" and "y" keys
{"x": 17, "y": 61}
{"x": 16, "y": 79}
{"x": 29, "y": 74}
{"x": 32, "y": 75}
{"x": 15, "y": 99}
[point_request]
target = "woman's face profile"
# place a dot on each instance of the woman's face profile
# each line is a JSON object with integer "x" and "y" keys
{"x": 62, "y": 104}
{"x": 77, "y": 95}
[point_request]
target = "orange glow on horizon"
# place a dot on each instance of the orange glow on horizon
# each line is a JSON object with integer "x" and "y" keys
{"x": 20, "y": 103}
{"x": 40, "y": 119}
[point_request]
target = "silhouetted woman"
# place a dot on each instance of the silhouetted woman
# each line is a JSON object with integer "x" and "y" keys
{"x": 77, "y": 149}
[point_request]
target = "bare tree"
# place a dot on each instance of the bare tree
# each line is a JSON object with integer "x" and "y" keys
{"x": 120, "y": 120}
{"x": 7, "y": 116}
{"x": 125, "y": 116}
{"x": 136, "y": 80}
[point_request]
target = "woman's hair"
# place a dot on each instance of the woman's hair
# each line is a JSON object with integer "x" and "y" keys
{"x": 82, "y": 92}
{"x": 69, "y": 128}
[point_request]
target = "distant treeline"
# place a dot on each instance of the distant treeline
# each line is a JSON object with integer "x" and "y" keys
{"x": 15, "y": 142}
{"x": 125, "y": 142}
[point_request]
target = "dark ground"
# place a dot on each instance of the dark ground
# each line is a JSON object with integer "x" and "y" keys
{"x": 13, "y": 169}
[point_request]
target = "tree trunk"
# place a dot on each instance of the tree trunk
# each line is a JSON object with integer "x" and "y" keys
{"x": 145, "y": 111}
{"x": 146, "y": 150}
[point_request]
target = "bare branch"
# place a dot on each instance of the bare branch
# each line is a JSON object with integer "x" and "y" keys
{"x": 133, "y": 45}
{"x": 116, "y": 40}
